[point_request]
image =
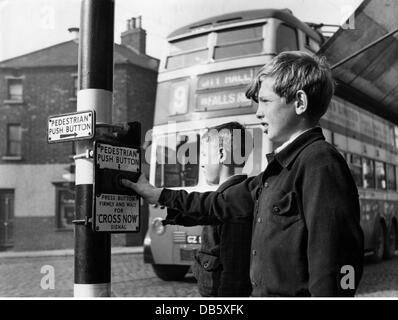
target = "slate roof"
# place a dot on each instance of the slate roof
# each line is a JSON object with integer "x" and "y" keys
{"x": 66, "y": 54}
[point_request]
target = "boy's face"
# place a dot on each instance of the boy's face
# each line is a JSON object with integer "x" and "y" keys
{"x": 211, "y": 157}
{"x": 278, "y": 118}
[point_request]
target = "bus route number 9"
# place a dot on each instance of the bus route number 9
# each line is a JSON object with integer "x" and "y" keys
{"x": 179, "y": 98}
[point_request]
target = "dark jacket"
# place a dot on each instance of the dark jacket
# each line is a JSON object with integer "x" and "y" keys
{"x": 306, "y": 220}
{"x": 223, "y": 262}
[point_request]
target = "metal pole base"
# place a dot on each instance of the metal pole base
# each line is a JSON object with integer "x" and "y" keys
{"x": 92, "y": 290}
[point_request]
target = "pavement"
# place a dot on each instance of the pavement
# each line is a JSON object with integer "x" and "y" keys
{"x": 21, "y": 275}
{"x": 64, "y": 252}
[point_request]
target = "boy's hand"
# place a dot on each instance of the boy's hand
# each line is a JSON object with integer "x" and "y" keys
{"x": 144, "y": 189}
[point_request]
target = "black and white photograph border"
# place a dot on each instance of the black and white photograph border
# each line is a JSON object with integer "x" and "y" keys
{"x": 158, "y": 76}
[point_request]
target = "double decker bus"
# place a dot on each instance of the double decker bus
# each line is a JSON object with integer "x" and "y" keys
{"x": 202, "y": 83}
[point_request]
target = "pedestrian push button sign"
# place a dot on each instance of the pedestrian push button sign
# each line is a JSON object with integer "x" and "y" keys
{"x": 116, "y": 208}
{"x": 118, "y": 158}
{"x": 71, "y": 127}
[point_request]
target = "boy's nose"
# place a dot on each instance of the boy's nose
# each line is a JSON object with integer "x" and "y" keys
{"x": 259, "y": 114}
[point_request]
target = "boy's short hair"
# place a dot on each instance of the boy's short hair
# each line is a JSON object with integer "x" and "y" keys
{"x": 294, "y": 71}
{"x": 230, "y": 136}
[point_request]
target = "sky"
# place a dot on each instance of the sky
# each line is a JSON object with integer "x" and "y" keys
{"x": 30, "y": 25}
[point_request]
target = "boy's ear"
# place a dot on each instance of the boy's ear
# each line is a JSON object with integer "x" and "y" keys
{"x": 222, "y": 155}
{"x": 301, "y": 102}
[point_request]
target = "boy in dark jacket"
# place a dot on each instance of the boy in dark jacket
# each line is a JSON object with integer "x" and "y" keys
{"x": 306, "y": 238}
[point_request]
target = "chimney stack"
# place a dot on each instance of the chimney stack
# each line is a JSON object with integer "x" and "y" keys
{"x": 134, "y": 37}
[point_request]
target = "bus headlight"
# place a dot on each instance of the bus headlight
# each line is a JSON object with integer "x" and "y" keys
{"x": 157, "y": 226}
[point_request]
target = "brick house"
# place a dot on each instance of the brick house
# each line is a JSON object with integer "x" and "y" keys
{"x": 36, "y": 189}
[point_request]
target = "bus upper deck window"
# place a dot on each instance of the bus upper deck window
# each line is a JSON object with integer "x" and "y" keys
{"x": 187, "y": 59}
{"x": 177, "y": 161}
{"x": 188, "y": 52}
{"x": 239, "y": 42}
{"x": 189, "y": 44}
{"x": 286, "y": 38}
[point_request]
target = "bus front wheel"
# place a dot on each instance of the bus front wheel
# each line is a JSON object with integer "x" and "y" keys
{"x": 389, "y": 250}
{"x": 169, "y": 272}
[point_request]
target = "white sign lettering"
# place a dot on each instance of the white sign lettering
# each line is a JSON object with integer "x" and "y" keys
{"x": 117, "y": 213}
{"x": 117, "y": 158}
{"x": 222, "y": 100}
{"x": 73, "y": 126}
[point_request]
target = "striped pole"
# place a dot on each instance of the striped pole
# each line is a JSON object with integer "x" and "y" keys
{"x": 95, "y": 71}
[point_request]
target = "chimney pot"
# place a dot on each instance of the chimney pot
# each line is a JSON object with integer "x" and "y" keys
{"x": 134, "y": 36}
{"x": 75, "y": 32}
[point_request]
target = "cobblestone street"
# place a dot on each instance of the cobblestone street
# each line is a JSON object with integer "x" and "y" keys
{"x": 21, "y": 277}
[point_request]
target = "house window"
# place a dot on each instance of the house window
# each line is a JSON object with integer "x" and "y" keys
{"x": 15, "y": 89}
{"x": 75, "y": 86}
{"x": 14, "y": 140}
{"x": 65, "y": 205}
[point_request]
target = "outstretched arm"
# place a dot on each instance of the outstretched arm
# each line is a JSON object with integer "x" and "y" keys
{"x": 205, "y": 208}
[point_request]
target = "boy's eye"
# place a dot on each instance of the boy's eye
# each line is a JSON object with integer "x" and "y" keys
{"x": 263, "y": 99}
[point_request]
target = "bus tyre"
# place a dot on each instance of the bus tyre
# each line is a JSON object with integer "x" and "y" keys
{"x": 389, "y": 250}
{"x": 169, "y": 272}
{"x": 379, "y": 243}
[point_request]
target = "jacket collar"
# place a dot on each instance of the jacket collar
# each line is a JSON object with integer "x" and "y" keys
{"x": 287, "y": 155}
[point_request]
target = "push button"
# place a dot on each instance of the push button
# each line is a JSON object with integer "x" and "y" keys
{"x": 259, "y": 220}
{"x": 276, "y": 209}
{"x": 266, "y": 184}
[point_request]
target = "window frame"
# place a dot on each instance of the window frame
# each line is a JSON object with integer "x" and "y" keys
{"x": 239, "y": 42}
{"x": 9, "y": 142}
{"x": 277, "y": 36}
{"x": 9, "y": 99}
{"x": 75, "y": 85}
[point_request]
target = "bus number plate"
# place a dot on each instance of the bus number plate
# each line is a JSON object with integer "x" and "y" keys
{"x": 193, "y": 239}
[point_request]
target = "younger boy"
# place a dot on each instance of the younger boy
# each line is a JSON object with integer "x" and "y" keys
{"x": 222, "y": 264}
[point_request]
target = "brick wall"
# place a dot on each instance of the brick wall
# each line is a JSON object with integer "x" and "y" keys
{"x": 141, "y": 96}
{"x": 49, "y": 91}
{"x": 46, "y": 91}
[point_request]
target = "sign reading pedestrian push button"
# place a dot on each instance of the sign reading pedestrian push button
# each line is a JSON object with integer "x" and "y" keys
{"x": 71, "y": 126}
{"x": 116, "y": 208}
